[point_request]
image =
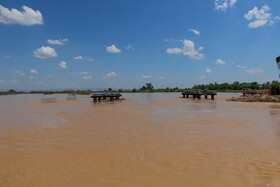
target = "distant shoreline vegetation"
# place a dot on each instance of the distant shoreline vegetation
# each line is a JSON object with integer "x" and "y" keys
{"x": 149, "y": 88}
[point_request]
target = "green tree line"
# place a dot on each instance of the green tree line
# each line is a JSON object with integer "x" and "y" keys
{"x": 236, "y": 86}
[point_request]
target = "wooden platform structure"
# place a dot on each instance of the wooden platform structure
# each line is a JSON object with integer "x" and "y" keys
{"x": 199, "y": 94}
{"x": 103, "y": 96}
{"x": 254, "y": 92}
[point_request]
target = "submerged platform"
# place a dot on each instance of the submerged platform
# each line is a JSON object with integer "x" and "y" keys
{"x": 199, "y": 94}
{"x": 103, "y": 96}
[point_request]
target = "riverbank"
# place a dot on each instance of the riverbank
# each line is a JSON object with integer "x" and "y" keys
{"x": 256, "y": 98}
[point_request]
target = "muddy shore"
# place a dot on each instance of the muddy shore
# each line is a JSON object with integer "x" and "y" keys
{"x": 256, "y": 98}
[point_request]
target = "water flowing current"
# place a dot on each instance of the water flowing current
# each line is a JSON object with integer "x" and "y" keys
{"x": 153, "y": 139}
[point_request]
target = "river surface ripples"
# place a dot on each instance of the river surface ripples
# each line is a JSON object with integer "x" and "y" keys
{"x": 153, "y": 139}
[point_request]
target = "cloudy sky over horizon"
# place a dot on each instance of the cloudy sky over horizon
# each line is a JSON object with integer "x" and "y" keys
{"x": 124, "y": 44}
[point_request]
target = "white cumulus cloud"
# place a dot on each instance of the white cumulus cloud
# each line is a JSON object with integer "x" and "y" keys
{"x": 146, "y": 76}
{"x": 129, "y": 47}
{"x": 175, "y": 50}
{"x": 220, "y": 61}
{"x": 113, "y": 49}
{"x": 63, "y": 65}
{"x": 45, "y": 52}
{"x": 200, "y": 48}
{"x": 224, "y": 4}
{"x": 242, "y": 67}
{"x": 87, "y": 77}
{"x": 78, "y": 58}
{"x": 188, "y": 49}
{"x": 208, "y": 70}
{"x": 31, "y": 77}
{"x": 7, "y": 56}
{"x": 172, "y": 40}
{"x": 34, "y": 71}
{"x": 27, "y": 16}
{"x": 110, "y": 75}
{"x": 90, "y": 59}
{"x": 202, "y": 77}
{"x": 258, "y": 17}
{"x": 57, "y": 42}
{"x": 254, "y": 71}
{"x": 194, "y": 31}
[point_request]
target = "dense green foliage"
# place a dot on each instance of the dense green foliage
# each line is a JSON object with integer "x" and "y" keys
{"x": 224, "y": 87}
{"x": 236, "y": 86}
{"x": 148, "y": 87}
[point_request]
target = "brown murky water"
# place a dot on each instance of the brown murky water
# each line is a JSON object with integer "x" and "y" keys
{"x": 145, "y": 140}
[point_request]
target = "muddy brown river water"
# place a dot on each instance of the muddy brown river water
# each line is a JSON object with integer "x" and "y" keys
{"x": 154, "y": 139}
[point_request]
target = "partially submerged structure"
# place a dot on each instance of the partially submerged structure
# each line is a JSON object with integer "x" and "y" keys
{"x": 103, "y": 96}
{"x": 199, "y": 94}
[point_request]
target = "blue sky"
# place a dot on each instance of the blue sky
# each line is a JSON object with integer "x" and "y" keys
{"x": 124, "y": 44}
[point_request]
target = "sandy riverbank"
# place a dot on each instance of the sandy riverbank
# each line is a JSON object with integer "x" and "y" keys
{"x": 256, "y": 98}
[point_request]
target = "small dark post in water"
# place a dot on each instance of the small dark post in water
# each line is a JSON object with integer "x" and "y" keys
{"x": 199, "y": 96}
{"x": 212, "y": 97}
{"x": 206, "y": 96}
